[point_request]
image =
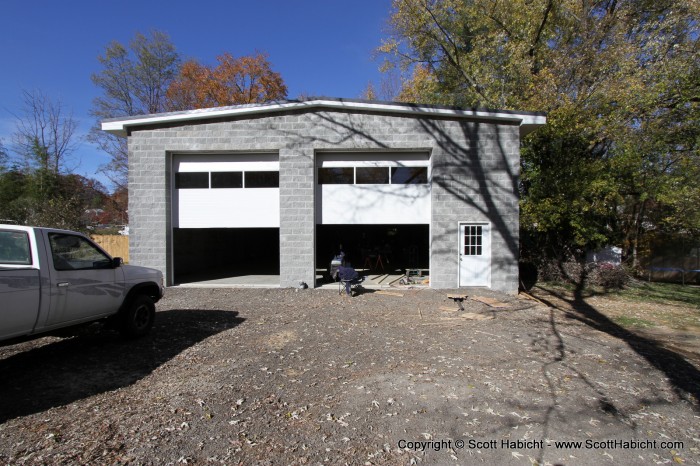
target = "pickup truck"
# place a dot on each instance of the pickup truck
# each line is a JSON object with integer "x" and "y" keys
{"x": 52, "y": 279}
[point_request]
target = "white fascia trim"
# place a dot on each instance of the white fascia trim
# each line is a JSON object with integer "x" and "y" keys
{"x": 119, "y": 127}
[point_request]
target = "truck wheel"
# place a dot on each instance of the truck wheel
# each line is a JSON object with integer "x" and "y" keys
{"x": 137, "y": 317}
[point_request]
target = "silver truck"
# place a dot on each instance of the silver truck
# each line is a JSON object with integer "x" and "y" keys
{"x": 53, "y": 279}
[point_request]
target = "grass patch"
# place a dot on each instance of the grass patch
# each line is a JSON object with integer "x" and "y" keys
{"x": 641, "y": 304}
{"x": 663, "y": 293}
{"x": 627, "y": 321}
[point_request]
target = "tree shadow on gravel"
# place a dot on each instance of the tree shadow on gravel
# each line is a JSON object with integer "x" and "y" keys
{"x": 50, "y": 375}
{"x": 682, "y": 375}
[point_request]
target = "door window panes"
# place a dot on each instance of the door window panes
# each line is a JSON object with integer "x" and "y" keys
{"x": 262, "y": 179}
{"x": 409, "y": 175}
{"x": 372, "y": 175}
{"x": 336, "y": 175}
{"x": 473, "y": 240}
{"x": 227, "y": 180}
{"x": 186, "y": 180}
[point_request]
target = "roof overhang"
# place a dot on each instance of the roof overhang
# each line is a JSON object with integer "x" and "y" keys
{"x": 528, "y": 121}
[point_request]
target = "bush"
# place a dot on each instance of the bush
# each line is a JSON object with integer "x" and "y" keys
{"x": 607, "y": 275}
{"x": 561, "y": 272}
{"x": 604, "y": 274}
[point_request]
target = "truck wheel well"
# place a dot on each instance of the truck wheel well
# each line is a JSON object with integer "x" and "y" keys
{"x": 150, "y": 289}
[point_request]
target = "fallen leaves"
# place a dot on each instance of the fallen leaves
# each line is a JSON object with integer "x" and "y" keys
{"x": 282, "y": 384}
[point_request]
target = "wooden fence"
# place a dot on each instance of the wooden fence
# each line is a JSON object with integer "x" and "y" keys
{"x": 115, "y": 245}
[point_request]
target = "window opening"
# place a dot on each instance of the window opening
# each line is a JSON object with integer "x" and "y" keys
{"x": 70, "y": 252}
{"x": 14, "y": 248}
{"x": 473, "y": 240}
{"x": 372, "y": 175}
{"x": 336, "y": 175}
{"x": 267, "y": 179}
{"x": 226, "y": 180}
{"x": 409, "y": 175}
{"x": 192, "y": 180}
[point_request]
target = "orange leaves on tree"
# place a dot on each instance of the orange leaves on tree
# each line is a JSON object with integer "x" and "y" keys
{"x": 234, "y": 81}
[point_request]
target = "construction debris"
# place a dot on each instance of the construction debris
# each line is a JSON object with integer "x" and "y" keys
{"x": 389, "y": 293}
{"x": 474, "y": 316}
{"x": 449, "y": 309}
{"x": 458, "y": 298}
{"x": 490, "y": 302}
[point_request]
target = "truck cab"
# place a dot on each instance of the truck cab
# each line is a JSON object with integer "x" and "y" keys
{"x": 52, "y": 279}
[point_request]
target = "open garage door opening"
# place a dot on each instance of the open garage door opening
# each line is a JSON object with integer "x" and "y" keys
{"x": 226, "y": 256}
{"x": 226, "y": 218}
{"x": 382, "y": 253}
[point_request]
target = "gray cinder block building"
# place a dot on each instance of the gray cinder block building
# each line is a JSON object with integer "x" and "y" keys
{"x": 277, "y": 190}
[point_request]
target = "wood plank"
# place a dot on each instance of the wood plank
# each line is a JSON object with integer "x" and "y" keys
{"x": 474, "y": 316}
{"x": 449, "y": 309}
{"x": 396, "y": 279}
{"x": 384, "y": 277}
{"x": 389, "y": 293}
{"x": 529, "y": 296}
{"x": 490, "y": 301}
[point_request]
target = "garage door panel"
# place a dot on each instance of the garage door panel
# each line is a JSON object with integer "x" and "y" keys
{"x": 373, "y": 188}
{"x": 224, "y": 199}
{"x": 228, "y": 208}
{"x": 372, "y": 205}
{"x": 213, "y": 162}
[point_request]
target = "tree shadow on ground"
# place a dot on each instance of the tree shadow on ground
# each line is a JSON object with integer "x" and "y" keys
{"x": 59, "y": 373}
{"x": 682, "y": 375}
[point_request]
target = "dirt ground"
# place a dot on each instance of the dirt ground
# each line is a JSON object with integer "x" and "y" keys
{"x": 283, "y": 376}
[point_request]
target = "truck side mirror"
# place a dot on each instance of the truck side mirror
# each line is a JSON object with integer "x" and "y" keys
{"x": 117, "y": 262}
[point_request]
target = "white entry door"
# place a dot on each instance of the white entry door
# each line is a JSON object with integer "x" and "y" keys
{"x": 475, "y": 254}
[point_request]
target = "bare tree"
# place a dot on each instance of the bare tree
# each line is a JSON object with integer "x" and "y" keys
{"x": 45, "y": 133}
{"x": 133, "y": 81}
{"x": 3, "y": 156}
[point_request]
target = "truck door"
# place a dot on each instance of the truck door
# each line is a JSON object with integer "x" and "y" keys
{"x": 20, "y": 286}
{"x": 84, "y": 283}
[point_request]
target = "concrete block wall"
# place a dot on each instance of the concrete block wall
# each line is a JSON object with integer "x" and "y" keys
{"x": 474, "y": 169}
{"x": 149, "y": 209}
{"x": 476, "y": 181}
{"x": 297, "y": 217}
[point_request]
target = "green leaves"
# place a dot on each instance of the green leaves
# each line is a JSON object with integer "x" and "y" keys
{"x": 619, "y": 80}
{"x": 44, "y": 198}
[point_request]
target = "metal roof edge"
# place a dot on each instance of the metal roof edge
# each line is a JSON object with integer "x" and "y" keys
{"x": 119, "y": 126}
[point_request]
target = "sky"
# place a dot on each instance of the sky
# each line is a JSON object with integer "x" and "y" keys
{"x": 320, "y": 47}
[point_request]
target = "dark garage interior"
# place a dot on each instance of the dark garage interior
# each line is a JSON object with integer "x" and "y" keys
{"x": 400, "y": 246}
{"x": 213, "y": 253}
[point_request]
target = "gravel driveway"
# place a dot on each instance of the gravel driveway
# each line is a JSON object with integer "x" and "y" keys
{"x": 283, "y": 376}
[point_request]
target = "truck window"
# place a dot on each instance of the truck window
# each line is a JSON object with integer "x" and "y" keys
{"x": 70, "y": 252}
{"x": 14, "y": 248}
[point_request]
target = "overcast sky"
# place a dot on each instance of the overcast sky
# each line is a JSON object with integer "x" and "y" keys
{"x": 319, "y": 47}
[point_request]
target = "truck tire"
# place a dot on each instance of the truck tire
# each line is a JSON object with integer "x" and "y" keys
{"x": 136, "y": 319}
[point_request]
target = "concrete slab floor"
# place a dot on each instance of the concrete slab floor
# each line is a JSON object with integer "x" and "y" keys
{"x": 372, "y": 281}
{"x": 255, "y": 281}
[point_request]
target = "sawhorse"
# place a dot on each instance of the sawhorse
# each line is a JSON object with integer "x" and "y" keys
{"x": 459, "y": 299}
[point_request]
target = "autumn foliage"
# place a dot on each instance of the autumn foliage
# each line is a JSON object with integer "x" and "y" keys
{"x": 234, "y": 81}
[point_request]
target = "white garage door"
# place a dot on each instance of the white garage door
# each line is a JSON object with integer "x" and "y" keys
{"x": 373, "y": 188}
{"x": 225, "y": 191}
